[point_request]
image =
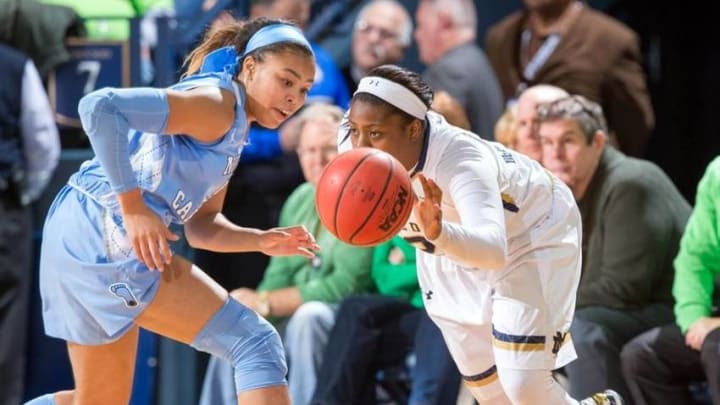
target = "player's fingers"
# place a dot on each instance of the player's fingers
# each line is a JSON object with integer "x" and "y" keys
{"x": 138, "y": 251}
{"x": 156, "y": 257}
{"x": 427, "y": 189}
{"x": 145, "y": 254}
{"x": 169, "y": 235}
{"x": 166, "y": 252}
{"x": 305, "y": 252}
{"x": 293, "y": 230}
{"x": 436, "y": 191}
{"x": 279, "y": 235}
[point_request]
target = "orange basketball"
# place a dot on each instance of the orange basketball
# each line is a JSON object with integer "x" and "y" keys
{"x": 364, "y": 197}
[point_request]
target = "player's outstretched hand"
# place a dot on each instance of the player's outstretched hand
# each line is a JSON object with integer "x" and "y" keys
{"x": 428, "y": 210}
{"x": 288, "y": 241}
{"x": 149, "y": 237}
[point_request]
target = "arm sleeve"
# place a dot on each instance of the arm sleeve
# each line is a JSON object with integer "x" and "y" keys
{"x": 108, "y": 114}
{"x": 41, "y": 143}
{"x": 350, "y": 274}
{"x": 637, "y": 228}
{"x": 468, "y": 177}
{"x": 698, "y": 261}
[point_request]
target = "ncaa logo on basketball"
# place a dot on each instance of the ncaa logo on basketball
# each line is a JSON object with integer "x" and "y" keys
{"x": 397, "y": 210}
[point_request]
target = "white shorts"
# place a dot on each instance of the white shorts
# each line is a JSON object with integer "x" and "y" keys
{"x": 515, "y": 318}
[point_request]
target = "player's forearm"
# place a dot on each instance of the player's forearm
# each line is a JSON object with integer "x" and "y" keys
{"x": 108, "y": 114}
{"x": 216, "y": 233}
{"x": 478, "y": 248}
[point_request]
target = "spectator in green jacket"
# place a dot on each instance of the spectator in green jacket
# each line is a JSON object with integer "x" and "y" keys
{"x": 297, "y": 294}
{"x": 633, "y": 217}
{"x": 660, "y": 364}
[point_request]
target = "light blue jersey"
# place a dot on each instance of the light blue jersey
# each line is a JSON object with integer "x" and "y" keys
{"x": 177, "y": 174}
{"x": 92, "y": 284}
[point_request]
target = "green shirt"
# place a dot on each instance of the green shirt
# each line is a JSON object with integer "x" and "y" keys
{"x": 338, "y": 270}
{"x": 698, "y": 262}
{"x": 633, "y": 218}
{"x": 108, "y": 19}
{"x": 396, "y": 279}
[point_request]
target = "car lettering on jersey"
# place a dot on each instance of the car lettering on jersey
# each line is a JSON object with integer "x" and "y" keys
{"x": 397, "y": 209}
{"x": 182, "y": 208}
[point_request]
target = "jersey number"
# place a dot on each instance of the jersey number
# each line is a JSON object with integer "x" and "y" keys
{"x": 421, "y": 243}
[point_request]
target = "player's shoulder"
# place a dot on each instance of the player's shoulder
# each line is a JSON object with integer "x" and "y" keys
{"x": 447, "y": 137}
{"x": 212, "y": 79}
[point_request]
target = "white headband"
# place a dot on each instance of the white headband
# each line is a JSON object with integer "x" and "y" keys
{"x": 393, "y": 93}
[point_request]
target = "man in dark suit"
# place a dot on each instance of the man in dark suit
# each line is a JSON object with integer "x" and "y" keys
{"x": 445, "y": 35}
{"x": 569, "y": 45}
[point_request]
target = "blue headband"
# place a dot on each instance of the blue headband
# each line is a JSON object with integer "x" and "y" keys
{"x": 227, "y": 59}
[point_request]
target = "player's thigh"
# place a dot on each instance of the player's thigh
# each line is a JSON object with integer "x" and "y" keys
{"x": 470, "y": 347}
{"x": 104, "y": 373}
{"x": 186, "y": 299}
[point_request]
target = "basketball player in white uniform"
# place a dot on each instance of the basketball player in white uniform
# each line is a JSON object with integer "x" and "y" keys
{"x": 499, "y": 238}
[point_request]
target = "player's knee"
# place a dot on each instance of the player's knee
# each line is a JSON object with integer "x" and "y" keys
{"x": 248, "y": 342}
{"x": 526, "y": 386}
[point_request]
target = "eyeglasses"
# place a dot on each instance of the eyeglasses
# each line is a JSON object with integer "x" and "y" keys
{"x": 312, "y": 151}
{"x": 366, "y": 28}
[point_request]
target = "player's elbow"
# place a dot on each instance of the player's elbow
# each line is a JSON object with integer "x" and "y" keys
{"x": 497, "y": 250}
{"x": 92, "y": 105}
{"x": 492, "y": 259}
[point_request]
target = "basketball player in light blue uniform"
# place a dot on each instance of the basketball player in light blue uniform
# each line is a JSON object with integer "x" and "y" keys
{"x": 164, "y": 156}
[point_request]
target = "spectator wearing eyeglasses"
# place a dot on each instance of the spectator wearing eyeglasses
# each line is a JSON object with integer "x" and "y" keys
{"x": 633, "y": 218}
{"x": 445, "y": 35}
{"x": 381, "y": 35}
{"x": 526, "y": 138}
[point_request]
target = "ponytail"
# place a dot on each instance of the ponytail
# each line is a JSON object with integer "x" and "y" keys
{"x": 227, "y": 35}
{"x": 237, "y": 34}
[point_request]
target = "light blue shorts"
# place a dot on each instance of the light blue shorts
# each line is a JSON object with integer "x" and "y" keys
{"x": 92, "y": 285}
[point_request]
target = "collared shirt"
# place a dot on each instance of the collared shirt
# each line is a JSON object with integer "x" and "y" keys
{"x": 536, "y": 47}
{"x": 40, "y": 140}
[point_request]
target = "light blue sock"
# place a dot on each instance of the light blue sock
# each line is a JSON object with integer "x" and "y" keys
{"x": 47, "y": 399}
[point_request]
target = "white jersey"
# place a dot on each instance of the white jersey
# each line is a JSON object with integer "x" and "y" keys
{"x": 493, "y": 200}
